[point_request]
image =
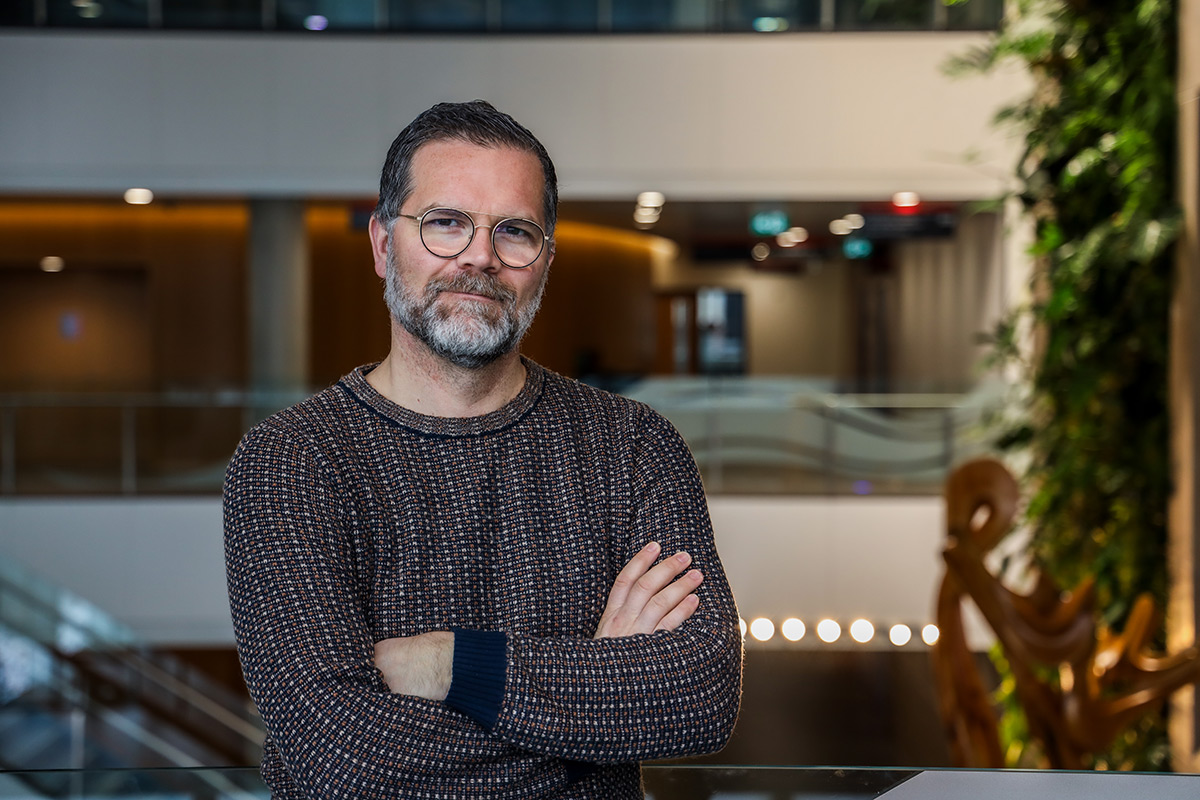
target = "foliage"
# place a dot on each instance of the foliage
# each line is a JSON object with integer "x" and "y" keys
{"x": 1097, "y": 178}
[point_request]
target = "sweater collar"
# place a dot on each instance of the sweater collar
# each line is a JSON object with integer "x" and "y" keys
{"x": 510, "y": 413}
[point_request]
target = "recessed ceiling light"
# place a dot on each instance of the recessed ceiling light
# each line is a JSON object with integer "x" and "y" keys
{"x": 651, "y": 199}
{"x": 139, "y": 197}
{"x": 906, "y": 199}
{"x": 646, "y": 216}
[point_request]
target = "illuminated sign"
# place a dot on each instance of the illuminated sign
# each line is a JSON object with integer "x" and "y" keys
{"x": 854, "y": 247}
{"x": 769, "y": 222}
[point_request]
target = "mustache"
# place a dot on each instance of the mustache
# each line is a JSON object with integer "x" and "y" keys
{"x": 471, "y": 283}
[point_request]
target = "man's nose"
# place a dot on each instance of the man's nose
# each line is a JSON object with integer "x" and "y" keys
{"x": 479, "y": 253}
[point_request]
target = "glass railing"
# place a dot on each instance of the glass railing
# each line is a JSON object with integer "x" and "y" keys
{"x": 77, "y": 688}
{"x": 508, "y": 16}
{"x": 748, "y": 435}
{"x": 792, "y": 436}
{"x": 663, "y": 783}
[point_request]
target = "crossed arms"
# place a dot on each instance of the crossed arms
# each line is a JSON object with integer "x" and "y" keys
{"x": 644, "y": 598}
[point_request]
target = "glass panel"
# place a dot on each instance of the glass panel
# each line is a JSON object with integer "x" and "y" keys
{"x": 885, "y": 14}
{"x": 67, "y": 450}
{"x": 98, "y": 13}
{"x": 663, "y": 782}
{"x": 184, "y": 450}
{"x": 972, "y": 15}
{"x": 319, "y": 15}
{"x": 548, "y": 15}
{"x": 769, "y": 16}
{"x": 17, "y": 12}
{"x": 660, "y": 15}
{"x": 446, "y": 15}
{"x": 789, "y": 436}
{"x": 217, "y": 14}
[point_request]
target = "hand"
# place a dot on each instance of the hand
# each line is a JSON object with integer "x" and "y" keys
{"x": 643, "y": 598}
{"x": 421, "y": 665}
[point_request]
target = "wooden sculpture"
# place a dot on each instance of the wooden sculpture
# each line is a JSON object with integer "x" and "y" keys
{"x": 1105, "y": 681}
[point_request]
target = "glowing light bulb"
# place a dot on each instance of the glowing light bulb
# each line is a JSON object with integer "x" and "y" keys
{"x": 906, "y": 199}
{"x": 862, "y": 631}
{"x": 929, "y": 634}
{"x": 762, "y": 629}
{"x": 792, "y": 629}
{"x": 900, "y": 635}
{"x": 828, "y": 631}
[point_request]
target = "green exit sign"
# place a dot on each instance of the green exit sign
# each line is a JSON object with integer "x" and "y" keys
{"x": 769, "y": 222}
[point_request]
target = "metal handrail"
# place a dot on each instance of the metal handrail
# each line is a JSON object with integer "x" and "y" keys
{"x": 919, "y": 420}
{"x": 142, "y": 667}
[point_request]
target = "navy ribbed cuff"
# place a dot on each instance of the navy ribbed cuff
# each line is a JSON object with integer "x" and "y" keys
{"x": 578, "y": 770}
{"x": 480, "y": 667}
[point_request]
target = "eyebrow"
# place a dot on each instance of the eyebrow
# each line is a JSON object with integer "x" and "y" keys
{"x": 481, "y": 213}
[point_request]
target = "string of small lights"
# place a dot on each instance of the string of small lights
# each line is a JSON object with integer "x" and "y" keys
{"x": 829, "y": 631}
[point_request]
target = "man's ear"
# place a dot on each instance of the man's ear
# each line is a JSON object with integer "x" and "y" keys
{"x": 379, "y": 245}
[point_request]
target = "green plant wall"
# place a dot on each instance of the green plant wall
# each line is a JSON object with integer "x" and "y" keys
{"x": 1097, "y": 179}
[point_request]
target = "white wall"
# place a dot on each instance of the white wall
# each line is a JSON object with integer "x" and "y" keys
{"x": 158, "y": 565}
{"x": 805, "y": 116}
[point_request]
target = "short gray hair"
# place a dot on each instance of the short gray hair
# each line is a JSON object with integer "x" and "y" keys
{"x": 477, "y": 122}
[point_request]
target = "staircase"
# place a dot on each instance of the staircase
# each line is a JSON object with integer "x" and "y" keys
{"x": 79, "y": 692}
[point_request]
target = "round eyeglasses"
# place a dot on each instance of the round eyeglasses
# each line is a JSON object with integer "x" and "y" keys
{"x": 447, "y": 232}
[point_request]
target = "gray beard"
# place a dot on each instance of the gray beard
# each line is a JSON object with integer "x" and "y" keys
{"x": 473, "y": 334}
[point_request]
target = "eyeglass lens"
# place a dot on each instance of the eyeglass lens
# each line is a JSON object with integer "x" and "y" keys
{"x": 446, "y": 232}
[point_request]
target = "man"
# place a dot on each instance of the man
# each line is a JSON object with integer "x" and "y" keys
{"x": 456, "y": 574}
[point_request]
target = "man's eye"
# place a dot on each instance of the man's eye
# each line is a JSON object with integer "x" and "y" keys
{"x": 515, "y": 232}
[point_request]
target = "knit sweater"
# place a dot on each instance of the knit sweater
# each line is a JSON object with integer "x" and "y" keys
{"x": 349, "y": 519}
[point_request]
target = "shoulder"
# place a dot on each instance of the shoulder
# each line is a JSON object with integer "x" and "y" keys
{"x": 570, "y": 397}
{"x": 606, "y": 414}
{"x": 307, "y": 433}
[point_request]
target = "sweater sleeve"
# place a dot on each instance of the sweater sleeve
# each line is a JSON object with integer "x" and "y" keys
{"x": 299, "y": 610}
{"x": 660, "y": 695}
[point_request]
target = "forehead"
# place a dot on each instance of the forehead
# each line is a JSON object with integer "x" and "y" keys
{"x": 464, "y": 175}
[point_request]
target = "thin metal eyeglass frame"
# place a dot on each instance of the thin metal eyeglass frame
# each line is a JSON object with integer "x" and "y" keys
{"x": 474, "y": 227}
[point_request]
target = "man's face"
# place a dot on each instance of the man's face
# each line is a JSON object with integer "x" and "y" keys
{"x": 470, "y": 309}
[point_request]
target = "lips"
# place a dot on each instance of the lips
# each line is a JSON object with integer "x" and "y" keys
{"x": 473, "y": 286}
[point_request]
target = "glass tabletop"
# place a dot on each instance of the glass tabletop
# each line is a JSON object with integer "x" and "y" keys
{"x": 663, "y": 782}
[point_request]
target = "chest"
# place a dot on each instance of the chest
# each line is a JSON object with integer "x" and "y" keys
{"x": 501, "y": 533}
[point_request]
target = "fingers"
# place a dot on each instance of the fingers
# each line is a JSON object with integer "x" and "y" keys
{"x": 679, "y": 614}
{"x": 630, "y": 573}
{"x": 646, "y": 597}
{"x": 666, "y": 604}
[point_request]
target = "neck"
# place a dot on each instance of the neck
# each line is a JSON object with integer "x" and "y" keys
{"x": 413, "y": 377}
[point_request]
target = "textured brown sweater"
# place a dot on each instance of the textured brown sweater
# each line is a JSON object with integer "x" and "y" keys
{"x": 349, "y": 519}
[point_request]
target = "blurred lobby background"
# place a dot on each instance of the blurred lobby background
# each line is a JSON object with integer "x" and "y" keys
{"x": 776, "y": 228}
